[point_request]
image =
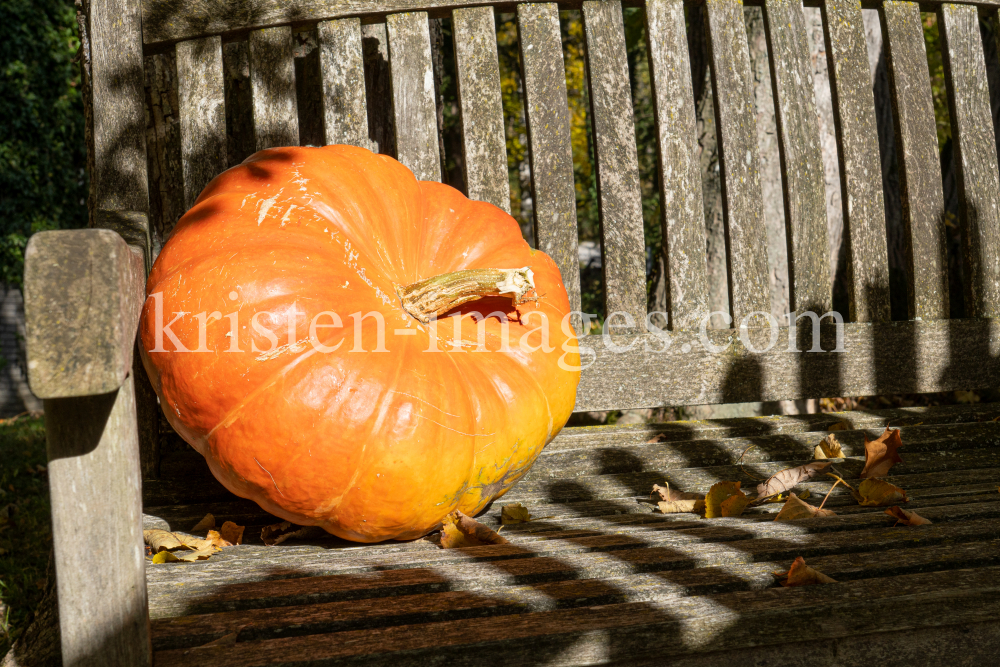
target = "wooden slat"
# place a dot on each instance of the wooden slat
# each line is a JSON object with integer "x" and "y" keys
{"x": 860, "y": 163}
{"x": 551, "y": 151}
{"x": 975, "y": 157}
{"x": 415, "y": 111}
{"x": 345, "y": 113}
{"x": 272, "y": 84}
{"x": 884, "y": 358}
{"x": 683, "y": 211}
{"x": 746, "y": 244}
{"x": 801, "y": 158}
{"x": 619, "y": 198}
{"x": 483, "y": 142}
{"x": 201, "y": 93}
{"x": 920, "y": 164}
{"x": 378, "y": 84}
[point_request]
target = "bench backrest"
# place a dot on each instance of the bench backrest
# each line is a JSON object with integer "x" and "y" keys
{"x": 873, "y": 355}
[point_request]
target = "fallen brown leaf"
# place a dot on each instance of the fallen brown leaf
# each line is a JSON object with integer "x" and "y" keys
{"x": 906, "y": 518}
{"x": 459, "y": 530}
{"x": 829, "y": 448}
{"x": 161, "y": 540}
{"x": 881, "y": 455}
{"x": 800, "y": 574}
{"x": 232, "y": 533}
{"x": 514, "y": 513}
{"x": 795, "y": 508}
{"x": 877, "y": 492}
{"x": 680, "y": 506}
{"x": 725, "y": 499}
{"x": 840, "y": 426}
{"x": 786, "y": 480}
{"x": 207, "y": 523}
{"x": 669, "y": 495}
{"x": 277, "y": 533}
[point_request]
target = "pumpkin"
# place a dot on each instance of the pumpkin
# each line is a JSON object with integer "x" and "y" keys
{"x": 413, "y": 406}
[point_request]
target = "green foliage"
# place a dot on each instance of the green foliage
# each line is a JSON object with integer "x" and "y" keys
{"x": 43, "y": 182}
{"x": 25, "y": 524}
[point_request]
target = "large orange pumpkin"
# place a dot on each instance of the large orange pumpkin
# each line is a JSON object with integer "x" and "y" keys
{"x": 322, "y": 425}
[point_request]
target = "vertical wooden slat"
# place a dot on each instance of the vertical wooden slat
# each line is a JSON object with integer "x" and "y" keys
{"x": 415, "y": 112}
{"x": 619, "y": 198}
{"x": 483, "y": 141}
{"x": 682, "y": 208}
{"x": 272, "y": 82}
{"x": 345, "y": 114}
{"x": 975, "y": 157}
{"x": 746, "y": 244}
{"x": 920, "y": 164}
{"x": 860, "y": 163}
{"x": 801, "y": 157}
{"x": 551, "y": 151}
{"x": 201, "y": 93}
{"x": 378, "y": 84}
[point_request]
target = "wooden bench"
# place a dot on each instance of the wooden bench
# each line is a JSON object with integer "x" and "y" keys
{"x": 601, "y": 577}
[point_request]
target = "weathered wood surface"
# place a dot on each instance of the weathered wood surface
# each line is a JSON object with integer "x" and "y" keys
{"x": 96, "y": 493}
{"x": 682, "y": 208}
{"x": 378, "y": 84}
{"x": 975, "y": 157}
{"x": 860, "y": 163}
{"x": 83, "y": 291}
{"x": 551, "y": 151}
{"x": 413, "y": 102}
{"x": 345, "y": 112}
{"x": 201, "y": 92}
{"x": 920, "y": 164}
{"x": 801, "y": 157}
{"x": 746, "y": 246}
{"x": 619, "y": 197}
{"x": 272, "y": 84}
{"x": 484, "y": 145}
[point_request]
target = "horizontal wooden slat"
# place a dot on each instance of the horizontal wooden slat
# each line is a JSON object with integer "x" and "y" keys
{"x": 83, "y": 291}
{"x": 345, "y": 113}
{"x": 884, "y": 358}
{"x": 272, "y": 85}
{"x": 201, "y": 94}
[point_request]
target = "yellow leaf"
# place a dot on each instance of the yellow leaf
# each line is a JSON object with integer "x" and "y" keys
{"x": 161, "y": 540}
{"x": 459, "y": 530}
{"x": 717, "y": 495}
{"x": 515, "y": 513}
{"x": 800, "y": 574}
{"x": 829, "y": 448}
{"x": 679, "y": 506}
{"x": 734, "y": 505}
{"x": 906, "y": 518}
{"x": 191, "y": 556}
{"x": 875, "y": 492}
{"x": 796, "y": 509}
{"x": 164, "y": 557}
{"x": 207, "y": 523}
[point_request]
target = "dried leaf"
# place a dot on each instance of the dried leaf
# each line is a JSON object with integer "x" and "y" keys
{"x": 514, "y": 513}
{"x": 667, "y": 494}
{"x": 800, "y": 574}
{"x": 840, "y": 426}
{"x": 161, "y": 540}
{"x": 232, "y": 533}
{"x": 277, "y": 533}
{"x": 164, "y": 557}
{"x": 207, "y": 523}
{"x": 795, "y": 508}
{"x": 459, "y": 530}
{"x": 717, "y": 497}
{"x": 659, "y": 437}
{"x": 192, "y": 556}
{"x": 878, "y": 492}
{"x": 881, "y": 455}
{"x": 906, "y": 518}
{"x": 788, "y": 478}
{"x": 829, "y": 448}
{"x": 734, "y": 505}
{"x": 679, "y": 506}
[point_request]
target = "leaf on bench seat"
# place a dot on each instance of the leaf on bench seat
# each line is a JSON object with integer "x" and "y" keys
{"x": 800, "y": 574}
{"x": 232, "y": 533}
{"x": 725, "y": 499}
{"x": 906, "y": 518}
{"x": 673, "y": 502}
{"x": 277, "y": 533}
{"x": 878, "y": 492}
{"x": 207, "y": 523}
{"x": 161, "y": 540}
{"x": 514, "y": 513}
{"x": 787, "y": 479}
{"x": 881, "y": 454}
{"x": 829, "y": 448}
{"x": 795, "y": 508}
{"x": 459, "y": 530}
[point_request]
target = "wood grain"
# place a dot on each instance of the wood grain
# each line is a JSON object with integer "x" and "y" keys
{"x": 746, "y": 243}
{"x": 201, "y": 92}
{"x": 801, "y": 157}
{"x": 683, "y": 214}
{"x": 920, "y": 165}
{"x": 975, "y": 157}
{"x": 551, "y": 152}
{"x": 415, "y": 110}
{"x": 272, "y": 84}
{"x": 345, "y": 112}
{"x": 860, "y": 163}
{"x": 484, "y": 145}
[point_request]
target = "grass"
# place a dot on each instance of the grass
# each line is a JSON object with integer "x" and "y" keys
{"x": 25, "y": 523}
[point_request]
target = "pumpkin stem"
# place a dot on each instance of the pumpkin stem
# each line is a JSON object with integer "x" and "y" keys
{"x": 427, "y": 299}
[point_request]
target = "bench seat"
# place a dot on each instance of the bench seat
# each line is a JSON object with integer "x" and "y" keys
{"x": 601, "y": 576}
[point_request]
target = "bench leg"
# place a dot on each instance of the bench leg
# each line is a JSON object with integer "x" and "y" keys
{"x": 96, "y": 488}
